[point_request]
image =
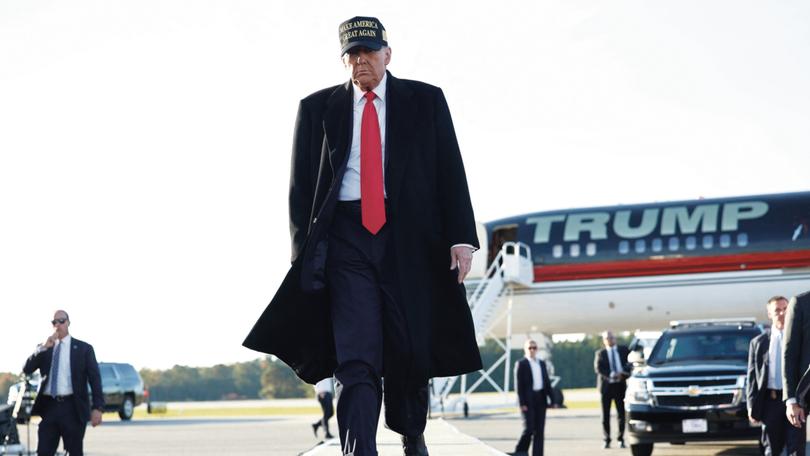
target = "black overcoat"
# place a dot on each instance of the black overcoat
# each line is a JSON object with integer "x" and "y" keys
{"x": 756, "y": 386}
{"x": 428, "y": 211}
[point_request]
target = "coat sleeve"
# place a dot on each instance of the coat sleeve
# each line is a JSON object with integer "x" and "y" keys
{"x": 599, "y": 368}
{"x": 301, "y": 192}
{"x": 519, "y": 386}
{"x": 751, "y": 387}
{"x": 34, "y": 362}
{"x": 94, "y": 378}
{"x": 458, "y": 220}
{"x": 793, "y": 342}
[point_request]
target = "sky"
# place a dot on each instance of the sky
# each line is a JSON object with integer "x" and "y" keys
{"x": 144, "y": 145}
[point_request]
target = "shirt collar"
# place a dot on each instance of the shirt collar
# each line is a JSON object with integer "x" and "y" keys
{"x": 379, "y": 90}
{"x": 65, "y": 340}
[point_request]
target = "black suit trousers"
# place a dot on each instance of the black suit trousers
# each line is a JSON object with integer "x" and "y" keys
{"x": 613, "y": 392}
{"x": 777, "y": 433}
{"x": 371, "y": 335}
{"x": 534, "y": 425}
{"x": 60, "y": 419}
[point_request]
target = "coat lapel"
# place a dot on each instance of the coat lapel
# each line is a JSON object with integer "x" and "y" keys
{"x": 337, "y": 124}
{"x": 400, "y": 114}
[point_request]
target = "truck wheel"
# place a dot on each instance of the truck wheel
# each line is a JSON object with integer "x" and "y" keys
{"x": 127, "y": 409}
{"x": 641, "y": 449}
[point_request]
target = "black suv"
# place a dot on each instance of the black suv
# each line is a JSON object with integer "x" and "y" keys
{"x": 121, "y": 384}
{"x": 692, "y": 387}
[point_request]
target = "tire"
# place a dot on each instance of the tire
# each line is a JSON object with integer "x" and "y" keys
{"x": 641, "y": 449}
{"x": 127, "y": 408}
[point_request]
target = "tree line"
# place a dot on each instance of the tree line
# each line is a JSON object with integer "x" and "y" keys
{"x": 268, "y": 377}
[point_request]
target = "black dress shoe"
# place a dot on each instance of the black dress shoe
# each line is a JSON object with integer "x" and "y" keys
{"x": 329, "y": 436}
{"x": 621, "y": 444}
{"x": 315, "y": 427}
{"x": 606, "y": 445}
{"x": 414, "y": 446}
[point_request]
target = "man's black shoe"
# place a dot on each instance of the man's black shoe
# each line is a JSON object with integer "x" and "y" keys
{"x": 329, "y": 436}
{"x": 315, "y": 427}
{"x": 621, "y": 444}
{"x": 414, "y": 446}
{"x": 606, "y": 445}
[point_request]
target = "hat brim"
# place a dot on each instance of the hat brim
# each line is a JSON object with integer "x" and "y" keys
{"x": 373, "y": 45}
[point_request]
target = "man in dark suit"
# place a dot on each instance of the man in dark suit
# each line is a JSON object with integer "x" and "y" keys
{"x": 796, "y": 359}
{"x": 382, "y": 234}
{"x": 764, "y": 385}
{"x": 612, "y": 369}
{"x": 67, "y": 365}
{"x": 534, "y": 393}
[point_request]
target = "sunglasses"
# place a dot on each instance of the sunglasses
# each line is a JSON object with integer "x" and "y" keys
{"x": 532, "y": 348}
{"x": 60, "y": 321}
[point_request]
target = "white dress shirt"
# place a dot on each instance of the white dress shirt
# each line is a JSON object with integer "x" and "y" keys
{"x": 324, "y": 386}
{"x": 537, "y": 374}
{"x": 64, "y": 386}
{"x": 350, "y": 186}
{"x": 775, "y": 360}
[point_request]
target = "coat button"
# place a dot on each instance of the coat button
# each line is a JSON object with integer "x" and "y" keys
{"x": 315, "y": 220}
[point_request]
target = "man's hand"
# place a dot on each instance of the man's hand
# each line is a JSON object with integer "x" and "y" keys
{"x": 95, "y": 417}
{"x": 795, "y": 415}
{"x": 461, "y": 258}
{"x": 753, "y": 421}
{"x": 524, "y": 408}
{"x": 51, "y": 340}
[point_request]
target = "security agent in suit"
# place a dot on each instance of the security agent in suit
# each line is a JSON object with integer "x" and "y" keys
{"x": 67, "y": 365}
{"x": 764, "y": 386}
{"x": 534, "y": 394}
{"x": 370, "y": 293}
{"x": 612, "y": 370}
{"x": 796, "y": 360}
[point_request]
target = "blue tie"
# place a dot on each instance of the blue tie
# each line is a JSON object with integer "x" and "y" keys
{"x": 54, "y": 369}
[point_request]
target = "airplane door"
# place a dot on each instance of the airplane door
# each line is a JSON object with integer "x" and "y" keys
{"x": 501, "y": 235}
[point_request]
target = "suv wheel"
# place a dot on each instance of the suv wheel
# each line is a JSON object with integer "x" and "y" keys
{"x": 127, "y": 409}
{"x": 641, "y": 449}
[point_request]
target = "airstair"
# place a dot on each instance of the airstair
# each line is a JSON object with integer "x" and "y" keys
{"x": 512, "y": 268}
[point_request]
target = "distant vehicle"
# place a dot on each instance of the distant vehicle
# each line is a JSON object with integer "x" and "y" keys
{"x": 121, "y": 385}
{"x": 692, "y": 387}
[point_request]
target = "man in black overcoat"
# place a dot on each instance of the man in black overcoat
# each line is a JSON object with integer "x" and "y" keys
{"x": 67, "y": 365}
{"x": 764, "y": 386}
{"x": 796, "y": 357}
{"x": 379, "y": 252}
{"x": 612, "y": 369}
{"x": 534, "y": 393}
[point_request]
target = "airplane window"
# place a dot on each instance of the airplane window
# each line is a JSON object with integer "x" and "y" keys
{"x": 674, "y": 244}
{"x": 725, "y": 240}
{"x": 624, "y": 247}
{"x": 590, "y": 249}
{"x": 691, "y": 243}
{"x": 640, "y": 246}
{"x": 708, "y": 241}
{"x": 742, "y": 239}
{"x": 556, "y": 251}
{"x": 575, "y": 251}
{"x": 657, "y": 245}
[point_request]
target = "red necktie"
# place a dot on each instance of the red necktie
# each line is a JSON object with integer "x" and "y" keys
{"x": 372, "y": 199}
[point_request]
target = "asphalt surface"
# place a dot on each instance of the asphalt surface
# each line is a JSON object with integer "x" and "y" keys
{"x": 568, "y": 432}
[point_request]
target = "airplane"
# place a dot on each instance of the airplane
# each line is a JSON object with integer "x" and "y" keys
{"x": 640, "y": 266}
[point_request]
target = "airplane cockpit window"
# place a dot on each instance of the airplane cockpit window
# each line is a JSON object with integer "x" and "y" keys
{"x": 725, "y": 241}
{"x": 708, "y": 241}
{"x": 674, "y": 244}
{"x": 657, "y": 245}
{"x": 641, "y": 246}
{"x": 624, "y": 247}
{"x": 691, "y": 243}
{"x": 742, "y": 239}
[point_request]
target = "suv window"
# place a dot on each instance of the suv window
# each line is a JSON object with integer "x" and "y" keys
{"x": 127, "y": 371}
{"x": 106, "y": 371}
{"x": 691, "y": 346}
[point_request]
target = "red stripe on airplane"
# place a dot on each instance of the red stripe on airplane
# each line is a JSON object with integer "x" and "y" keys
{"x": 668, "y": 266}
